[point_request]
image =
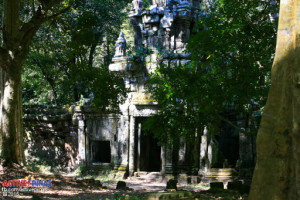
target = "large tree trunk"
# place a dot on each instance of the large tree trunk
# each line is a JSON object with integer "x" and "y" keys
{"x": 14, "y": 50}
{"x": 277, "y": 171}
{"x": 11, "y": 88}
{"x": 11, "y": 119}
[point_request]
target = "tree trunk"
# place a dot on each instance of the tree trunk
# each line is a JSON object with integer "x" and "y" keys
{"x": 11, "y": 126}
{"x": 277, "y": 171}
{"x": 93, "y": 49}
{"x": 14, "y": 50}
{"x": 107, "y": 57}
{"x": 11, "y": 88}
{"x": 196, "y": 151}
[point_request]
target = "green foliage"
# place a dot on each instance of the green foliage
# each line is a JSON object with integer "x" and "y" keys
{"x": 116, "y": 197}
{"x": 128, "y": 31}
{"x": 147, "y": 4}
{"x": 237, "y": 43}
{"x": 109, "y": 90}
{"x": 82, "y": 170}
{"x": 61, "y": 65}
{"x": 32, "y": 166}
{"x": 35, "y": 88}
{"x": 125, "y": 197}
{"x": 231, "y": 52}
{"x": 173, "y": 89}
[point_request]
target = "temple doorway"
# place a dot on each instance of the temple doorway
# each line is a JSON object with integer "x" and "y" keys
{"x": 228, "y": 146}
{"x": 147, "y": 151}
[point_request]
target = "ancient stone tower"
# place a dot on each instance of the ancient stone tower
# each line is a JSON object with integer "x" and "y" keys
{"x": 104, "y": 140}
{"x": 163, "y": 29}
{"x": 166, "y": 25}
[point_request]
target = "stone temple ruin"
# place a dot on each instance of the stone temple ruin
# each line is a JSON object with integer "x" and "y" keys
{"x": 119, "y": 142}
{"x": 164, "y": 27}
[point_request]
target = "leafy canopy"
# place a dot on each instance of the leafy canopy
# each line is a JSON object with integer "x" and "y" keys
{"x": 71, "y": 54}
{"x": 231, "y": 56}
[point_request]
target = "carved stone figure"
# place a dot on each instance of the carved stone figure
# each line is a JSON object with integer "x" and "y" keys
{"x": 159, "y": 2}
{"x": 137, "y": 5}
{"x": 120, "y": 46}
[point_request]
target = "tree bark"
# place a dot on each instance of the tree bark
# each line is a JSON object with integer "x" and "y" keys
{"x": 11, "y": 127}
{"x": 93, "y": 49}
{"x": 107, "y": 57}
{"x": 277, "y": 171}
{"x": 196, "y": 151}
{"x": 12, "y": 137}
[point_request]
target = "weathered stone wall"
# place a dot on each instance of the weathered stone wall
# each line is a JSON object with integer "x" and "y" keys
{"x": 68, "y": 138}
{"x": 50, "y": 136}
{"x": 101, "y": 146}
{"x": 103, "y": 128}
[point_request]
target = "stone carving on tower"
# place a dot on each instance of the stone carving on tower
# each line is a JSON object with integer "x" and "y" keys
{"x": 120, "y": 46}
{"x": 164, "y": 29}
{"x": 121, "y": 64}
{"x": 137, "y": 6}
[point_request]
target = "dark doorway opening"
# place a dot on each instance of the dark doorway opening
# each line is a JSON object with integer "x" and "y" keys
{"x": 148, "y": 157}
{"x": 100, "y": 151}
{"x": 228, "y": 149}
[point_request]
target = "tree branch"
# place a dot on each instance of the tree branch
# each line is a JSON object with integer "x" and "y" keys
{"x": 58, "y": 13}
{"x": 47, "y": 4}
{"x": 28, "y": 30}
{"x": 10, "y": 22}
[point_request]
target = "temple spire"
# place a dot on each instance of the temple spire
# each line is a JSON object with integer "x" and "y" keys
{"x": 121, "y": 46}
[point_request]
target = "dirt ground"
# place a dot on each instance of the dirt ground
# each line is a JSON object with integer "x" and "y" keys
{"x": 78, "y": 188}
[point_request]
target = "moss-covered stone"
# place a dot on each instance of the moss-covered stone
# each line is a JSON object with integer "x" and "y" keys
{"x": 178, "y": 195}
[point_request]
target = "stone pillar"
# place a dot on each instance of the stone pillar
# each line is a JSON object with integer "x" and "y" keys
{"x": 169, "y": 160}
{"x": 203, "y": 152}
{"x": 123, "y": 141}
{"x": 114, "y": 142}
{"x": 166, "y": 39}
{"x": 145, "y": 38}
{"x": 172, "y": 42}
{"x": 195, "y": 148}
{"x": 88, "y": 159}
{"x": 131, "y": 146}
{"x": 210, "y": 154}
{"x": 181, "y": 155}
{"x": 163, "y": 160}
{"x": 138, "y": 37}
{"x": 245, "y": 145}
{"x": 138, "y": 164}
{"x": 81, "y": 141}
{"x": 212, "y": 151}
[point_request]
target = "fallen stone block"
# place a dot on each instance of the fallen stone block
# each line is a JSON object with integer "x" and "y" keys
{"x": 121, "y": 185}
{"x": 98, "y": 183}
{"x": 172, "y": 184}
{"x": 238, "y": 186}
{"x": 216, "y": 185}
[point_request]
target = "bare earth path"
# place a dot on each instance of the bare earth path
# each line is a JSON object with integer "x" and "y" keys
{"x": 75, "y": 189}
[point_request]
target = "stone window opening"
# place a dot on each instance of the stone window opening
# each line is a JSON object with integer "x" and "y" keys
{"x": 100, "y": 152}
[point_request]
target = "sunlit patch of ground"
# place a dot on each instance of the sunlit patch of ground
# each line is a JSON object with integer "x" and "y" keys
{"x": 74, "y": 188}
